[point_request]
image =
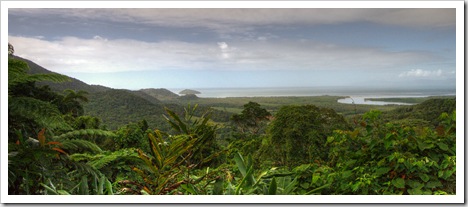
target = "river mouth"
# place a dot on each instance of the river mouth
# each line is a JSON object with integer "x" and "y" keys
{"x": 362, "y": 100}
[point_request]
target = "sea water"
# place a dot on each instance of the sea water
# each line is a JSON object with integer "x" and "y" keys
{"x": 352, "y": 95}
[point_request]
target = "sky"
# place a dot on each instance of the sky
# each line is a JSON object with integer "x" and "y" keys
{"x": 241, "y": 48}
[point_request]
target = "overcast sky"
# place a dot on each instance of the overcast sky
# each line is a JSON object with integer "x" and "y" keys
{"x": 200, "y": 48}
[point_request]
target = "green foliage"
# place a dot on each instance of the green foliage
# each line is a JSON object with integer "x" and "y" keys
{"x": 117, "y": 108}
{"x": 197, "y": 128}
{"x": 71, "y": 102}
{"x": 86, "y": 133}
{"x": 404, "y": 160}
{"x": 40, "y": 113}
{"x": 80, "y": 145}
{"x": 428, "y": 110}
{"x": 17, "y": 74}
{"x": 298, "y": 134}
{"x": 132, "y": 135}
{"x": 45, "y": 159}
{"x": 305, "y": 150}
{"x": 251, "y": 118}
{"x": 174, "y": 155}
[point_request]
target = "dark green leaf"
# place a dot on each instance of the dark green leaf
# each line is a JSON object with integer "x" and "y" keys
{"x": 273, "y": 187}
{"x": 381, "y": 171}
{"x": 399, "y": 183}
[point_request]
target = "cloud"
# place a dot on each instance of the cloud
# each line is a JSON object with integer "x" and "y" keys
{"x": 225, "y": 50}
{"x": 241, "y": 20}
{"x": 98, "y": 55}
{"x": 223, "y": 45}
{"x": 419, "y": 73}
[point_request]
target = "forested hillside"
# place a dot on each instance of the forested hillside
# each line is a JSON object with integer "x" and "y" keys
{"x": 72, "y": 83}
{"x": 120, "y": 142}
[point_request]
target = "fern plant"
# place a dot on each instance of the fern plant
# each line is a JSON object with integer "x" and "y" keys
{"x": 30, "y": 113}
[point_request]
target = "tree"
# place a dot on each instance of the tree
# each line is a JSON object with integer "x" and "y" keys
{"x": 34, "y": 112}
{"x": 71, "y": 102}
{"x": 298, "y": 134}
{"x": 251, "y": 118}
{"x": 11, "y": 49}
{"x": 29, "y": 108}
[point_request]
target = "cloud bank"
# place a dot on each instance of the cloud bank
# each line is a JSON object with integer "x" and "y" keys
{"x": 234, "y": 19}
{"x": 72, "y": 54}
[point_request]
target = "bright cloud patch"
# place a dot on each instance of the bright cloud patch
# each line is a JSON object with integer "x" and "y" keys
{"x": 421, "y": 73}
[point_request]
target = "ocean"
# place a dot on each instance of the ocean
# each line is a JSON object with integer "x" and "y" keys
{"x": 356, "y": 95}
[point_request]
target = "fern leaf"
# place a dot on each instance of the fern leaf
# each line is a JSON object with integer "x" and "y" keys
{"x": 80, "y": 144}
{"x": 43, "y": 113}
{"x": 120, "y": 155}
{"x": 99, "y": 161}
{"x": 85, "y": 132}
{"x": 52, "y": 77}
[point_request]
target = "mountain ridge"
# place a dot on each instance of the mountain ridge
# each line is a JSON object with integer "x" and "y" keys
{"x": 154, "y": 95}
{"x": 115, "y": 107}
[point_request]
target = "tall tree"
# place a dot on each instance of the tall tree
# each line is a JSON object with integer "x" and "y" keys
{"x": 298, "y": 134}
{"x": 251, "y": 118}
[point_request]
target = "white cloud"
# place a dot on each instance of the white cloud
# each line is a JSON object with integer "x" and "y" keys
{"x": 223, "y": 45}
{"x": 421, "y": 73}
{"x": 98, "y": 54}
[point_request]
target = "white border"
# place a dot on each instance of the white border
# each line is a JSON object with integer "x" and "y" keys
{"x": 459, "y": 198}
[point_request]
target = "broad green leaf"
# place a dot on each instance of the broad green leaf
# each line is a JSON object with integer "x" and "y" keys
{"x": 273, "y": 187}
{"x": 424, "y": 177}
{"x": 414, "y": 184}
{"x": 433, "y": 184}
{"x": 315, "y": 178}
{"x": 290, "y": 187}
{"x": 189, "y": 188}
{"x": 243, "y": 181}
{"x": 415, "y": 191}
{"x": 443, "y": 146}
{"x": 424, "y": 145}
{"x": 240, "y": 163}
{"x": 399, "y": 183}
{"x": 381, "y": 171}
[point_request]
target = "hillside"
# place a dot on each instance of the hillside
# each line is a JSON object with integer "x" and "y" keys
{"x": 115, "y": 107}
{"x": 119, "y": 107}
{"x": 426, "y": 112}
{"x": 74, "y": 84}
{"x": 161, "y": 94}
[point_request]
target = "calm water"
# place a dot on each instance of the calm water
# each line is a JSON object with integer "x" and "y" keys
{"x": 356, "y": 95}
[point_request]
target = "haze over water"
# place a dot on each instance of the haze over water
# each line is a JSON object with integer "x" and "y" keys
{"x": 317, "y": 91}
